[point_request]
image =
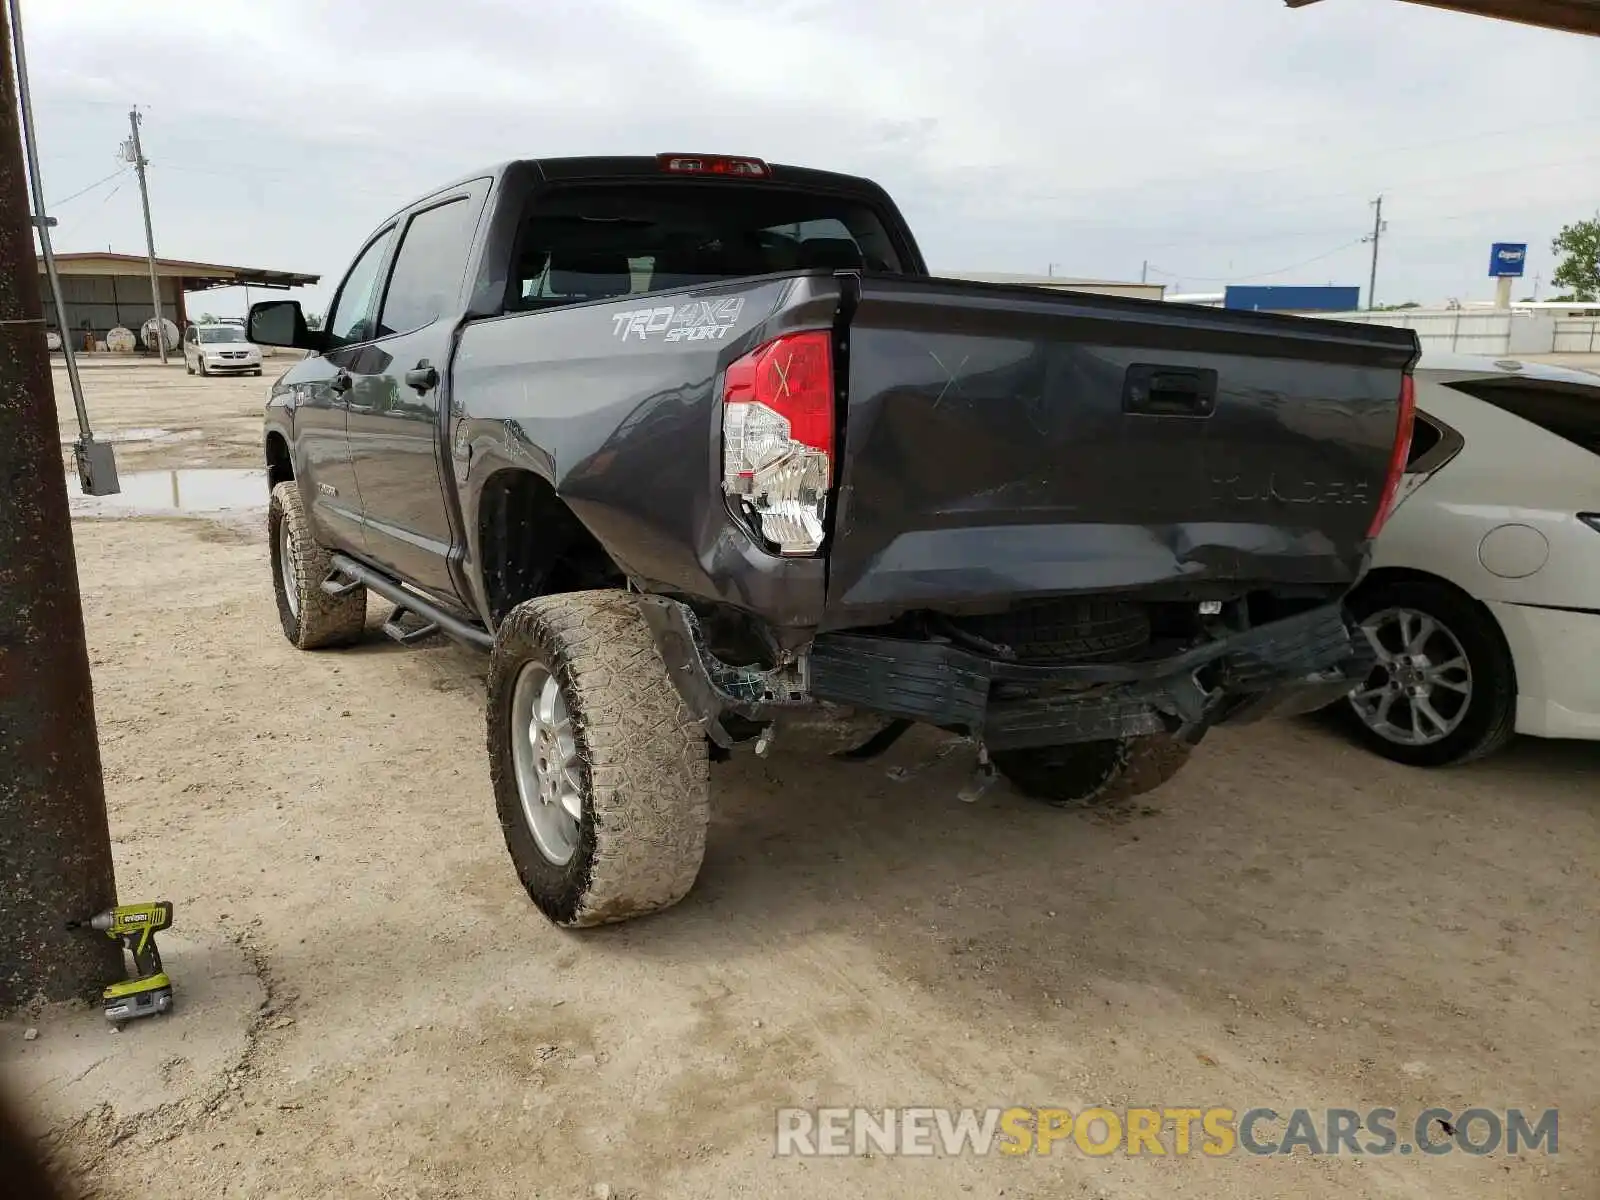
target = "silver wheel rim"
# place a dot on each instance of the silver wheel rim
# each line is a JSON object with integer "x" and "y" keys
{"x": 546, "y": 763}
{"x": 286, "y": 570}
{"x": 1421, "y": 688}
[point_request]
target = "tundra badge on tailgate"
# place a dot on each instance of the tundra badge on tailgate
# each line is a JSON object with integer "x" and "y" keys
{"x": 697, "y": 321}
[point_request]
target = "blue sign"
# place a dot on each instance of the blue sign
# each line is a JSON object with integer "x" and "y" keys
{"x": 1506, "y": 260}
{"x": 1292, "y": 299}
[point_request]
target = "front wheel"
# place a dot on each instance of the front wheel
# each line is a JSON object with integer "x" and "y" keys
{"x": 1093, "y": 774}
{"x": 311, "y": 618}
{"x": 600, "y": 772}
{"x": 1444, "y": 689}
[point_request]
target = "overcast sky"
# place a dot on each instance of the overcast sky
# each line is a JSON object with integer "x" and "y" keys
{"x": 1219, "y": 140}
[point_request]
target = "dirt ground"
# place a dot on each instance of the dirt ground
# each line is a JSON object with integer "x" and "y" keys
{"x": 162, "y": 417}
{"x": 1291, "y": 923}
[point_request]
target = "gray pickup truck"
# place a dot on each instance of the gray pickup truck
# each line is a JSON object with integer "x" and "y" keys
{"x": 694, "y": 442}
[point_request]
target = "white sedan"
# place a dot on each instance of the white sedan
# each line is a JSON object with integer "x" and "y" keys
{"x": 216, "y": 349}
{"x": 1483, "y": 602}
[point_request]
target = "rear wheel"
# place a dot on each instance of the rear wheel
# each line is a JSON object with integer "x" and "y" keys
{"x": 600, "y": 772}
{"x": 1444, "y": 688}
{"x": 1093, "y": 774}
{"x": 310, "y": 617}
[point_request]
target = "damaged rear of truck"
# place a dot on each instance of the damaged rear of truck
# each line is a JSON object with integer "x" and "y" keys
{"x": 718, "y": 449}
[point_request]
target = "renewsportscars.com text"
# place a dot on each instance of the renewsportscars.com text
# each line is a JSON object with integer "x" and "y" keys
{"x": 1210, "y": 1132}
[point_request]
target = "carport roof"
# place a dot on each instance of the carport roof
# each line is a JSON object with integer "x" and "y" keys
{"x": 197, "y": 276}
{"x": 1573, "y": 16}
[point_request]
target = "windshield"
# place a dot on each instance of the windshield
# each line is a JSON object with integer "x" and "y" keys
{"x": 592, "y": 242}
{"x": 222, "y": 333}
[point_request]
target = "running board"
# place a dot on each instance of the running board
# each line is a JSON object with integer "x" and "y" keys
{"x": 437, "y": 620}
{"x": 335, "y": 586}
{"x": 395, "y": 627}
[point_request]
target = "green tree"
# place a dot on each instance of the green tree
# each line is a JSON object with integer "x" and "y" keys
{"x": 1579, "y": 246}
{"x": 313, "y": 320}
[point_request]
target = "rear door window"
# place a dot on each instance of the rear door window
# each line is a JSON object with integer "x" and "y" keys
{"x": 597, "y": 242}
{"x": 1571, "y": 411}
{"x": 426, "y": 279}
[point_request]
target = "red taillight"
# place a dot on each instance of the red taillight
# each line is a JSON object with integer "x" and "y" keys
{"x": 714, "y": 164}
{"x": 1397, "y": 456}
{"x": 793, "y": 376}
{"x": 777, "y": 437}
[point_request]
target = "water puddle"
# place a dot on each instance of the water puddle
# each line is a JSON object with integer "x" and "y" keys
{"x": 198, "y": 492}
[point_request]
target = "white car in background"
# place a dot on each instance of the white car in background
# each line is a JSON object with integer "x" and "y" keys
{"x": 219, "y": 349}
{"x": 1483, "y": 602}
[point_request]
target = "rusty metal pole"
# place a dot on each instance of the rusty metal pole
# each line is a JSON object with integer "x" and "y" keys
{"x": 55, "y": 846}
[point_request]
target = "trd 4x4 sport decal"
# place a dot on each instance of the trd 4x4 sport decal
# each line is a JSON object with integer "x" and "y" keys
{"x": 697, "y": 321}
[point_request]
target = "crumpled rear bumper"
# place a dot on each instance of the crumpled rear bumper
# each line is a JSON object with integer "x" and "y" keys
{"x": 1292, "y": 665}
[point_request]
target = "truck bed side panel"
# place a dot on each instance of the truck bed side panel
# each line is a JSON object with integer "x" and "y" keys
{"x": 989, "y": 457}
{"x": 628, "y": 431}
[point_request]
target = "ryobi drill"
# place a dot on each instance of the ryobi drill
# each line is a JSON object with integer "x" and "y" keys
{"x": 135, "y": 926}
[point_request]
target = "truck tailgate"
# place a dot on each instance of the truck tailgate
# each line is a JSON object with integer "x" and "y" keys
{"x": 1002, "y": 443}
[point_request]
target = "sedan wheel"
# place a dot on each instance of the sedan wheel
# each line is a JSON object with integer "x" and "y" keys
{"x": 1444, "y": 687}
{"x": 1421, "y": 688}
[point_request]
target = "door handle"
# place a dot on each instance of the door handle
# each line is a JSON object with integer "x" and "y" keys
{"x": 341, "y": 383}
{"x": 422, "y": 377}
{"x": 1152, "y": 390}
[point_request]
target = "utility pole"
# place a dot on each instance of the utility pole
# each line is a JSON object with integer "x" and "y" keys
{"x": 1144, "y": 272}
{"x": 136, "y": 156}
{"x": 55, "y": 847}
{"x": 1378, "y": 226}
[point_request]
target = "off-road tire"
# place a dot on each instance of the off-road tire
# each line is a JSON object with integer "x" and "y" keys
{"x": 1491, "y": 715}
{"x": 1093, "y": 774}
{"x": 645, "y": 779}
{"x": 322, "y": 620}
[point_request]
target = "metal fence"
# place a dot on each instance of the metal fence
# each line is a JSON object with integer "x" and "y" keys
{"x": 1577, "y": 335}
{"x": 1492, "y": 332}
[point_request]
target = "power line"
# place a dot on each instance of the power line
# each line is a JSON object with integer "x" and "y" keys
{"x": 84, "y": 191}
{"x": 1290, "y": 203}
{"x": 1258, "y": 274}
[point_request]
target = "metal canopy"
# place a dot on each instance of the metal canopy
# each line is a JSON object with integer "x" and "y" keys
{"x": 196, "y": 276}
{"x": 1571, "y": 16}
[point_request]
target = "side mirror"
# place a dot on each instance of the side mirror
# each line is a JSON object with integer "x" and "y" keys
{"x": 282, "y": 323}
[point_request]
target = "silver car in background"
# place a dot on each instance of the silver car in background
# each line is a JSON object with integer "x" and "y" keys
{"x": 219, "y": 350}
